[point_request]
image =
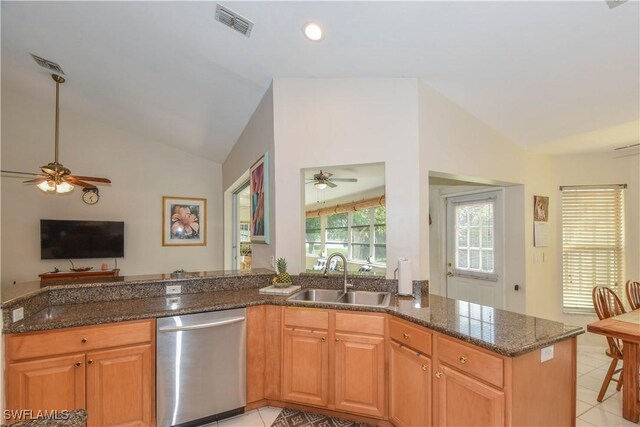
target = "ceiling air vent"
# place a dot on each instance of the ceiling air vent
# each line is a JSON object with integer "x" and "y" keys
{"x": 49, "y": 65}
{"x": 232, "y": 20}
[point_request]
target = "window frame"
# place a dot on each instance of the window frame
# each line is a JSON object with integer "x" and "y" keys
{"x": 349, "y": 241}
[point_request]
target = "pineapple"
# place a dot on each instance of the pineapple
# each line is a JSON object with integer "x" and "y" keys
{"x": 283, "y": 279}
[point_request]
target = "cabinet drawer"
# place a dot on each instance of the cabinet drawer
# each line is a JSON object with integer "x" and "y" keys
{"x": 470, "y": 360}
{"x": 372, "y": 324}
{"x": 61, "y": 341}
{"x": 410, "y": 335}
{"x": 310, "y": 318}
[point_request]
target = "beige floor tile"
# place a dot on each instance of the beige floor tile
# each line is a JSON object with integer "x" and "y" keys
{"x": 600, "y": 417}
{"x": 582, "y": 407}
{"x": 269, "y": 414}
{"x": 250, "y": 419}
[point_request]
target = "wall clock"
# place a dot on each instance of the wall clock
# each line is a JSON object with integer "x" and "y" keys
{"x": 90, "y": 196}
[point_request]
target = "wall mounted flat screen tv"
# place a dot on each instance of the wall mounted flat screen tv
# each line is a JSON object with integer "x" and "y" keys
{"x": 63, "y": 239}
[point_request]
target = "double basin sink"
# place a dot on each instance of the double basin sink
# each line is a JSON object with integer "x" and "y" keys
{"x": 338, "y": 296}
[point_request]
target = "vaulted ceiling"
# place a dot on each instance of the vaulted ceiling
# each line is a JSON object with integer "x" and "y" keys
{"x": 541, "y": 73}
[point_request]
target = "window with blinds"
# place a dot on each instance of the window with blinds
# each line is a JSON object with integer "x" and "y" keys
{"x": 592, "y": 244}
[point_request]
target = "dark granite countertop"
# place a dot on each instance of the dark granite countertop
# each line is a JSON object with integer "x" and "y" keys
{"x": 503, "y": 332}
{"x": 75, "y": 418}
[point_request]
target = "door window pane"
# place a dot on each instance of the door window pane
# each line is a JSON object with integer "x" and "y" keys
{"x": 474, "y": 233}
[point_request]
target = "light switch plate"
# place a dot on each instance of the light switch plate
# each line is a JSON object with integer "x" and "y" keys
{"x": 546, "y": 354}
{"x": 17, "y": 314}
{"x": 174, "y": 289}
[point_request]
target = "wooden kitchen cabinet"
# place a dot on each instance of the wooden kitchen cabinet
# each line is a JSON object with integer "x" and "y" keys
{"x": 360, "y": 385}
{"x": 305, "y": 366}
{"x": 120, "y": 386}
{"x": 51, "y": 383}
{"x": 409, "y": 387}
{"x": 107, "y": 369}
{"x": 465, "y": 401}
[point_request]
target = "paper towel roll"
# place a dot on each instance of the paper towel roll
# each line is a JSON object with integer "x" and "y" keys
{"x": 405, "y": 283}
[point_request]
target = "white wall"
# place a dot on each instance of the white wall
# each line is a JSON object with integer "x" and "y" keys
{"x": 319, "y": 122}
{"x": 255, "y": 140}
{"x": 142, "y": 171}
{"x": 454, "y": 142}
{"x": 592, "y": 169}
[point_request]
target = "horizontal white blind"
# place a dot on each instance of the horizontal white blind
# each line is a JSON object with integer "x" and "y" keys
{"x": 592, "y": 244}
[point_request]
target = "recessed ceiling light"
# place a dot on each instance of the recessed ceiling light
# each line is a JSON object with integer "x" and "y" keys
{"x": 312, "y": 31}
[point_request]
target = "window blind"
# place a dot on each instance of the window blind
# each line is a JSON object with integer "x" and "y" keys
{"x": 592, "y": 244}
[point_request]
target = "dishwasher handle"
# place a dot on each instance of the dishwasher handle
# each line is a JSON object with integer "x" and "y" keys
{"x": 202, "y": 325}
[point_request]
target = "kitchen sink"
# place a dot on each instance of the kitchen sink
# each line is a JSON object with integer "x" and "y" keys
{"x": 331, "y": 296}
{"x": 317, "y": 295}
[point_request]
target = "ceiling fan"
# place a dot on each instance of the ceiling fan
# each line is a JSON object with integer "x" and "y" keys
{"x": 323, "y": 180}
{"x": 54, "y": 176}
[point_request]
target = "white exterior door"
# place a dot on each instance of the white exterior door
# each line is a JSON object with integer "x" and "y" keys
{"x": 475, "y": 248}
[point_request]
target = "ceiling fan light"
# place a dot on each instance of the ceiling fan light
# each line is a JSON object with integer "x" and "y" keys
{"x": 320, "y": 185}
{"x": 47, "y": 186}
{"x": 63, "y": 187}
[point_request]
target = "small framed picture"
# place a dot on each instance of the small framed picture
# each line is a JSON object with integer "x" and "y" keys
{"x": 540, "y": 208}
{"x": 184, "y": 221}
{"x": 259, "y": 193}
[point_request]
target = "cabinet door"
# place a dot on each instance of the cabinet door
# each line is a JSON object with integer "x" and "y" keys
{"x": 305, "y": 367}
{"x": 409, "y": 387}
{"x": 121, "y": 387}
{"x": 53, "y": 383}
{"x": 464, "y": 401}
{"x": 360, "y": 385}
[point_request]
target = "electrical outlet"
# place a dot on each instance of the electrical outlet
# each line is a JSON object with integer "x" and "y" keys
{"x": 546, "y": 354}
{"x": 17, "y": 314}
{"x": 174, "y": 289}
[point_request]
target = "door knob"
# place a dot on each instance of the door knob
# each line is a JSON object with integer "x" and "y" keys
{"x": 90, "y": 362}
{"x": 323, "y": 339}
{"x": 77, "y": 364}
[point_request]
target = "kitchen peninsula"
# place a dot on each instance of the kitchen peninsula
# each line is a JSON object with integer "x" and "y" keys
{"x": 424, "y": 359}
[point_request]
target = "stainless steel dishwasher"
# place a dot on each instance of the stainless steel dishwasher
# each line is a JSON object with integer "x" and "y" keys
{"x": 201, "y": 367}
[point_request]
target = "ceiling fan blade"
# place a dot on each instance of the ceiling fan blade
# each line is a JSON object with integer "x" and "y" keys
{"x": 75, "y": 181}
{"x": 36, "y": 180}
{"x": 344, "y": 179}
{"x": 327, "y": 175}
{"x": 22, "y": 173}
{"x": 330, "y": 184}
{"x": 92, "y": 178}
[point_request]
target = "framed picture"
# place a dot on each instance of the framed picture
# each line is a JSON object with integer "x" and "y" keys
{"x": 540, "y": 208}
{"x": 184, "y": 221}
{"x": 259, "y": 194}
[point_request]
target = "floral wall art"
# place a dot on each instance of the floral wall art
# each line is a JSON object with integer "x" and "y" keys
{"x": 184, "y": 221}
{"x": 259, "y": 186}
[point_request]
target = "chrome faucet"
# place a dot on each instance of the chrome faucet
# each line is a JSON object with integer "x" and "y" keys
{"x": 344, "y": 263}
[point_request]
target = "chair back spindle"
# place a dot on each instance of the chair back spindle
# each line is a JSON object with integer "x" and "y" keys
{"x": 607, "y": 304}
{"x": 633, "y": 294}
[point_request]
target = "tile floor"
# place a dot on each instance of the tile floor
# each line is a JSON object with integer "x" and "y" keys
{"x": 592, "y": 367}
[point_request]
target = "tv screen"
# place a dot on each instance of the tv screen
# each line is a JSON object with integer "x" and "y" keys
{"x": 61, "y": 239}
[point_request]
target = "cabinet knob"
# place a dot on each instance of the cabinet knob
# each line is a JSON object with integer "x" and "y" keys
{"x": 337, "y": 339}
{"x": 323, "y": 339}
{"x": 84, "y": 340}
{"x": 90, "y": 362}
{"x": 438, "y": 375}
{"x": 405, "y": 335}
{"x": 425, "y": 367}
{"x": 78, "y": 364}
{"x": 463, "y": 360}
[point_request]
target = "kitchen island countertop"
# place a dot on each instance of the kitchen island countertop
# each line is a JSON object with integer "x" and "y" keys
{"x": 504, "y": 332}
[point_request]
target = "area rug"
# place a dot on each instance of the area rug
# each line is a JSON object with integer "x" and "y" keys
{"x": 293, "y": 418}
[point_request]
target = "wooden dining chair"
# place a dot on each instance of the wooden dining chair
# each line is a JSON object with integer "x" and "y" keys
{"x": 633, "y": 294}
{"x": 607, "y": 304}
